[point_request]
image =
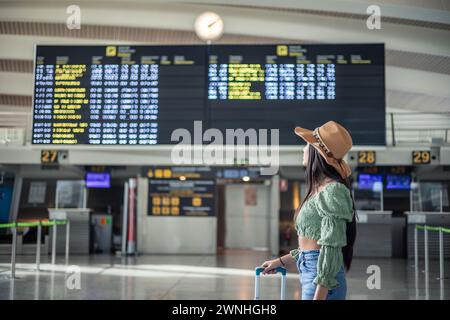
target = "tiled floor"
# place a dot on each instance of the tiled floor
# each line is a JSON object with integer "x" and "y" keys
{"x": 228, "y": 276}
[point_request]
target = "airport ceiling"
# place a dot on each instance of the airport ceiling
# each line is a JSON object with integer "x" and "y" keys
{"x": 416, "y": 34}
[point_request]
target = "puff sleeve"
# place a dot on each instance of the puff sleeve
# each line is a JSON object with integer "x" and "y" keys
{"x": 295, "y": 253}
{"x": 334, "y": 206}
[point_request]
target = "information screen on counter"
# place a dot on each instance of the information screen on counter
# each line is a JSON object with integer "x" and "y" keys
{"x": 138, "y": 95}
{"x": 181, "y": 191}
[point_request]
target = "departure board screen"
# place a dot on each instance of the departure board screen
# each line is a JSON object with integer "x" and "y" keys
{"x": 116, "y": 95}
{"x": 138, "y": 95}
{"x": 283, "y": 86}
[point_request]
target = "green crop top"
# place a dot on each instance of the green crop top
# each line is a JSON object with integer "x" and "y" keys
{"x": 323, "y": 218}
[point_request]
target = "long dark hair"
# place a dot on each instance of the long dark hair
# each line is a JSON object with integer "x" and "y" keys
{"x": 317, "y": 171}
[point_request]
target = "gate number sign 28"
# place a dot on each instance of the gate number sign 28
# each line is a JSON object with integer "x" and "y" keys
{"x": 366, "y": 157}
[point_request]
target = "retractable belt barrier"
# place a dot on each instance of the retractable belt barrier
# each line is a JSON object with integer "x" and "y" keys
{"x": 426, "y": 228}
{"x": 38, "y": 224}
{"x": 7, "y": 225}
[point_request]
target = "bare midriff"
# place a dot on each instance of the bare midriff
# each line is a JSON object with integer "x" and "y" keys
{"x": 307, "y": 244}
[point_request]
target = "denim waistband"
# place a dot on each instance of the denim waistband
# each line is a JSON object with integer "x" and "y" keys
{"x": 308, "y": 254}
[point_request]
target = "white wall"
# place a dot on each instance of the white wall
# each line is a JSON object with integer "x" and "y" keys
{"x": 247, "y": 226}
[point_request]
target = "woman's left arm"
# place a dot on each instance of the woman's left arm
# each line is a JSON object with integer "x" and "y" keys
{"x": 335, "y": 209}
{"x": 329, "y": 263}
{"x": 321, "y": 293}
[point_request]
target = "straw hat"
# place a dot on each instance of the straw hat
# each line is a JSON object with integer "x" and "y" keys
{"x": 332, "y": 141}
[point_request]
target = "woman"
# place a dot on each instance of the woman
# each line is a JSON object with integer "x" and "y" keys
{"x": 325, "y": 221}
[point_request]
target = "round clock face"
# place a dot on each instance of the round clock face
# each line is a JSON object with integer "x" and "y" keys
{"x": 209, "y": 26}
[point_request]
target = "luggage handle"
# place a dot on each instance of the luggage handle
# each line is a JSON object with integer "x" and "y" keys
{"x": 281, "y": 270}
{"x": 259, "y": 270}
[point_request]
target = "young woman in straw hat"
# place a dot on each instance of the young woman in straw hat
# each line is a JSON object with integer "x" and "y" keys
{"x": 325, "y": 221}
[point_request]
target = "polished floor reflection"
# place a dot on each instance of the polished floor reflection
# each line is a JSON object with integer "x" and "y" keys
{"x": 226, "y": 276}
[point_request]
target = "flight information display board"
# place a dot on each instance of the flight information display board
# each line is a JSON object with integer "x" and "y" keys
{"x": 116, "y": 95}
{"x": 138, "y": 95}
{"x": 283, "y": 86}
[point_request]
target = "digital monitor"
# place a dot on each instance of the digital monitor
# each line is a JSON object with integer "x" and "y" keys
{"x": 398, "y": 182}
{"x": 98, "y": 180}
{"x": 369, "y": 181}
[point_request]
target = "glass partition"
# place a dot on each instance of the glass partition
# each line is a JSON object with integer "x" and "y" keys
{"x": 70, "y": 194}
{"x": 429, "y": 196}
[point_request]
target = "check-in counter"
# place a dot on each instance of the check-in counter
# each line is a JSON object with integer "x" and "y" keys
{"x": 79, "y": 229}
{"x": 171, "y": 234}
{"x": 374, "y": 234}
{"x": 435, "y": 219}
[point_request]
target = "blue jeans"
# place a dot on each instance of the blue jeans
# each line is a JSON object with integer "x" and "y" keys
{"x": 307, "y": 267}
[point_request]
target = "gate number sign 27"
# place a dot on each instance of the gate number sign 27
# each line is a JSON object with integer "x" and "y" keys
{"x": 49, "y": 156}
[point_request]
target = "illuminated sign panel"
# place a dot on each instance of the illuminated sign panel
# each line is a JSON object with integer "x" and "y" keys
{"x": 137, "y": 95}
{"x": 181, "y": 191}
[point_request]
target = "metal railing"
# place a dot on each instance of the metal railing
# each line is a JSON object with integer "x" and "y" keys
{"x": 426, "y": 228}
{"x": 417, "y": 127}
{"x": 37, "y": 224}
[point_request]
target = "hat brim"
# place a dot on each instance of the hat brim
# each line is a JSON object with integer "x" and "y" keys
{"x": 341, "y": 166}
{"x": 305, "y": 134}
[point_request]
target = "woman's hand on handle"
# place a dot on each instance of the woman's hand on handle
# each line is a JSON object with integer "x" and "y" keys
{"x": 270, "y": 266}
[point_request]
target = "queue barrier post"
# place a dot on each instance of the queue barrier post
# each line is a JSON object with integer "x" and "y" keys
{"x": 13, "y": 227}
{"x": 441, "y": 254}
{"x": 54, "y": 229}
{"x": 38, "y": 246}
{"x": 67, "y": 241}
{"x": 416, "y": 249}
{"x": 426, "y": 249}
{"x": 13, "y": 252}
